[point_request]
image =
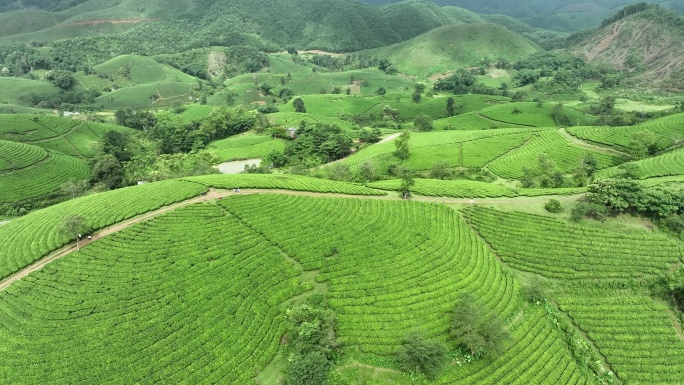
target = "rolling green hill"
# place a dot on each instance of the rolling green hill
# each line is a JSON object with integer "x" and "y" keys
{"x": 455, "y": 46}
{"x": 138, "y": 70}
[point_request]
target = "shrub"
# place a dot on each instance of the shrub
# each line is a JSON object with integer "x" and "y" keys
{"x": 268, "y": 109}
{"x": 535, "y": 290}
{"x": 419, "y": 354}
{"x": 673, "y": 223}
{"x": 585, "y": 208}
{"x": 478, "y": 332}
{"x": 553, "y": 206}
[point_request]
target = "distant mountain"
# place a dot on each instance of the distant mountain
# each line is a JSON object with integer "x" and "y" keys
{"x": 333, "y": 25}
{"x": 455, "y": 46}
{"x": 650, "y": 44}
{"x": 561, "y": 15}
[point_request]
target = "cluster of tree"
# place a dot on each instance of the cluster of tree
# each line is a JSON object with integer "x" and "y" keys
{"x": 168, "y": 147}
{"x": 150, "y": 167}
{"x": 367, "y": 171}
{"x": 339, "y": 63}
{"x": 478, "y": 333}
{"x": 613, "y": 196}
{"x": 176, "y": 135}
{"x": 20, "y": 59}
{"x": 629, "y": 10}
{"x": 370, "y": 135}
{"x": 387, "y": 67}
{"x": 442, "y": 170}
{"x": 608, "y": 115}
{"x": 314, "y": 144}
{"x": 673, "y": 284}
{"x": 228, "y": 62}
{"x": 313, "y": 346}
{"x": 127, "y": 159}
{"x": 547, "y": 175}
{"x": 73, "y": 100}
{"x": 464, "y": 82}
{"x": 141, "y": 120}
{"x": 418, "y": 354}
{"x": 567, "y": 72}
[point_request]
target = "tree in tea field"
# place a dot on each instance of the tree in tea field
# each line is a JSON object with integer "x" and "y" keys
{"x": 423, "y": 123}
{"x": 450, "y": 109}
{"x": 642, "y": 144}
{"x": 402, "y": 145}
{"x": 418, "y": 354}
{"x": 74, "y": 188}
{"x": 299, "y": 105}
{"x": 407, "y": 180}
{"x": 480, "y": 335}
{"x": 74, "y": 226}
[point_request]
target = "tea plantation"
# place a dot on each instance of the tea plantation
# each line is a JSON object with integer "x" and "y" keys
{"x": 199, "y": 293}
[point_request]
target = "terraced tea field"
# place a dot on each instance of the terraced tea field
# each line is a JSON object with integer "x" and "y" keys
{"x": 26, "y": 239}
{"x": 565, "y": 154}
{"x": 29, "y": 172}
{"x": 153, "y": 297}
{"x": 551, "y": 248}
{"x": 528, "y": 114}
{"x": 449, "y": 188}
{"x": 65, "y": 135}
{"x": 635, "y": 333}
{"x": 284, "y": 182}
{"x": 428, "y": 148}
{"x": 668, "y": 131}
{"x": 155, "y": 307}
{"x": 668, "y": 164}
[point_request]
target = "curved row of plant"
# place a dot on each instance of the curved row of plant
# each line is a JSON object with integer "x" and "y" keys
{"x": 31, "y": 237}
{"x": 551, "y": 248}
{"x": 283, "y": 182}
{"x": 192, "y": 296}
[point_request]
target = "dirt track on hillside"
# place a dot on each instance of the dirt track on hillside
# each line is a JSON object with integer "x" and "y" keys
{"x": 96, "y": 22}
{"x": 214, "y": 194}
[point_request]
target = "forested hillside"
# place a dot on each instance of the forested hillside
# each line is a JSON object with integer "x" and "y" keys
{"x": 646, "y": 42}
{"x": 560, "y": 15}
{"x": 337, "y": 25}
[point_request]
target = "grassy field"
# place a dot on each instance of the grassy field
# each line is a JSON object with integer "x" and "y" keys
{"x": 245, "y": 146}
{"x": 20, "y": 91}
{"x": 135, "y": 70}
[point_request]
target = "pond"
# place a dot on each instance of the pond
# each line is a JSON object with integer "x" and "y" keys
{"x": 237, "y": 166}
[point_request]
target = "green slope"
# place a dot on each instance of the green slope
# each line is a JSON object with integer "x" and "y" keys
{"x": 455, "y": 46}
{"x": 20, "y": 91}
